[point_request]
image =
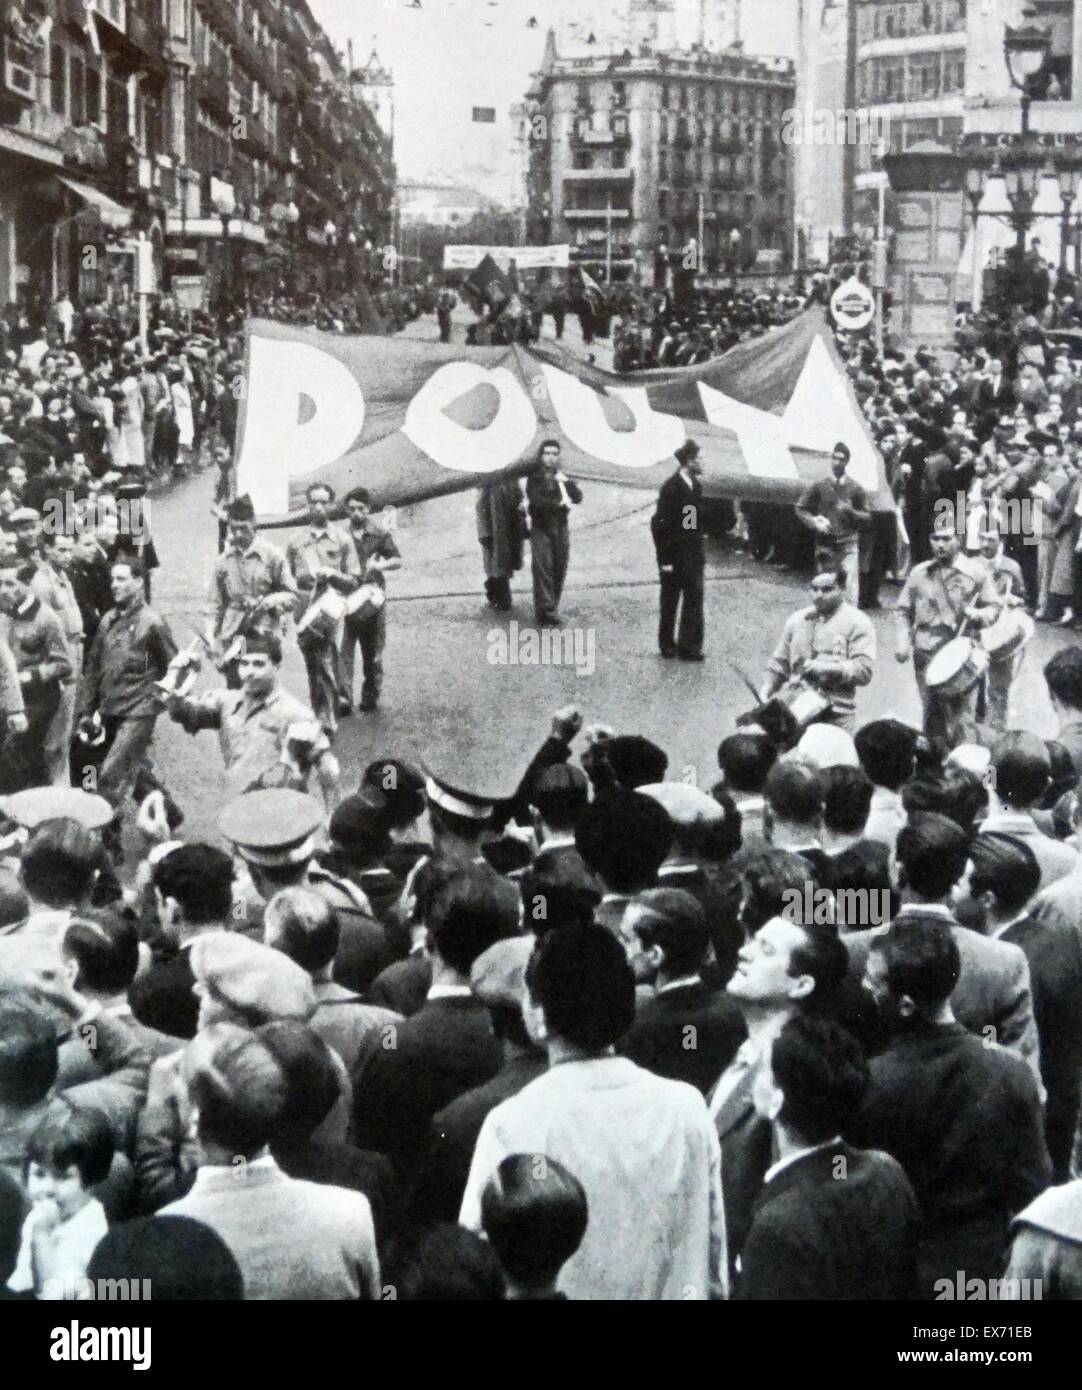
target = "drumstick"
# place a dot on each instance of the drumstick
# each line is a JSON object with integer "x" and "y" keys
{"x": 747, "y": 681}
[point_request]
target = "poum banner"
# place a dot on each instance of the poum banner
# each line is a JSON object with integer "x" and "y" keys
{"x": 410, "y": 420}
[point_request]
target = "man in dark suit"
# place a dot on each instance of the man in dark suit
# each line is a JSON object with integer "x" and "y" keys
{"x": 962, "y": 1117}
{"x": 992, "y": 998}
{"x": 550, "y": 495}
{"x": 687, "y": 1030}
{"x": 998, "y": 896}
{"x": 448, "y": 1046}
{"x": 193, "y": 885}
{"x": 784, "y": 969}
{"x": 831, "y": 1221}
{"x": 498, "y": 980}
{"x": 993, "y": 398}
{"x": 681, "y": 556}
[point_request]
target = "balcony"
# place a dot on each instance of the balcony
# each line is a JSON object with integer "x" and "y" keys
{"x": 20, "y": 81}
{"x": 596, "y": 214}
{"x": 212, "y": 89}
{"x": 249, "y": 55}
{"x": 622, "y": 178}
{"x": 222, "y": 17}
{"x": 586, "y": 133}
{"x": 146, "y": 33}
{"x": 256, "y": 137}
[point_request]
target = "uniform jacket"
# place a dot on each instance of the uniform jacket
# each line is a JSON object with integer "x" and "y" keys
{"x": 36, "y": 640}
{"x": 131, "y": 650}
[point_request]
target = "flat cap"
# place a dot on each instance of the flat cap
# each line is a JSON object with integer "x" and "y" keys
{"x": 273, "y": 827}
{"x": 685, "y": 804}
{"x": 498, "y": 975}
{"x": 252, "y": 977}
{"x": 31, "y": 807}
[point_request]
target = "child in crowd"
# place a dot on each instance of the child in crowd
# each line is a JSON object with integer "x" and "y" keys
{"x": 69, "y": 1152}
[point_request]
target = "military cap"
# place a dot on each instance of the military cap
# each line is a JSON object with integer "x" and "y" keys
{"x": 685, "y": 804}
{"x": 31, "y": 807}
{"x": 241, "y": 508}
{"x": 273, "y": 828}
{"x": 457, "y": 802}
{"x": 252, "y": 977}
{"x": 498, "y": 975}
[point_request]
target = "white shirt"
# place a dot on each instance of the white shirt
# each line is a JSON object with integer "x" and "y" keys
{"x": 449, "y": 992}
{"x": 776, "y": 1168}
{"x": 647, "y": 1153}
{"x": 73, "y": 1243}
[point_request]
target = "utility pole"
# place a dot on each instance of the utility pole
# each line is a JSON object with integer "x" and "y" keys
{"x": 608, "y": 240}
{"x": 701, "y": 267}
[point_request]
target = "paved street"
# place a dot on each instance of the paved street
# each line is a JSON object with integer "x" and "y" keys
{"x": 444, "y": 700}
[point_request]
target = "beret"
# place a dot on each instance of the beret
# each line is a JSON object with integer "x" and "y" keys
{"x": 251, "y": 976}
{"x": 685, "y": 804}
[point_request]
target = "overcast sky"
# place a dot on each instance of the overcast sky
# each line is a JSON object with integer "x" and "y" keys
{"x": 452, "y": 55}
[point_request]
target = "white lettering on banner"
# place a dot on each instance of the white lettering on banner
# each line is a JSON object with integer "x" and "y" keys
{"x": 505, "y": 439}
{"x": 277, "y": 443}
{"x": 821, "y": 414}
{"x": 578, "y": 409}
{"x": 763, "y": 437}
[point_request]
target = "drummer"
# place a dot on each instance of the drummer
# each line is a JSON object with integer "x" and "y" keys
{"x": 942, "y": 597}
{"x": 828, "y": 648}
{"x": 1011, "y": 587}
{"x": 377, "y": 555}
{"x": 323, "y": 558}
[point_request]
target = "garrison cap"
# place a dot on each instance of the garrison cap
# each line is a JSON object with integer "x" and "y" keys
{"x": 273, "y": 828}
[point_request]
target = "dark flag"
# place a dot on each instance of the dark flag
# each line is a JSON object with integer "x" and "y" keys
{"x": 488, "y": 285}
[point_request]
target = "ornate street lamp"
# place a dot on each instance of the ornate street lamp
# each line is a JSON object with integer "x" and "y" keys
{"x": 976, "y": 182}
{"x": 1026, "y": 50}
{"x": 224, "y": 202}
{"x": 1069, "y": 177}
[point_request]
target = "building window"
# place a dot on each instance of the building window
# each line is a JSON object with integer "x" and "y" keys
{"x": 77, "y": 91}
{"x": 663, "y": 202}
{"x": 583, "y": 159}
{"x": 57, "y": 79}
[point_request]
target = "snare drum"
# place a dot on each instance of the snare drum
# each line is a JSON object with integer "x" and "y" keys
{"x": 1008, "y": 634}
{"x": 806, "y": 705}
{"x": 323, "y": 616}
{"x": 956, "y": 668}
{"x": 365, "y": 602}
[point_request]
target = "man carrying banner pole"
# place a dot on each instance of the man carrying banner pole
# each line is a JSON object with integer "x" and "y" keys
{"x": 550, "y": 494}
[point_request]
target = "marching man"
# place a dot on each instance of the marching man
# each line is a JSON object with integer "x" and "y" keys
{"x": 829, "y": 647}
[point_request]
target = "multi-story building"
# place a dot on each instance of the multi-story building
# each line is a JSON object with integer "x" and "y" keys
{"x": 632, "y": 152}
{"x": 216, "y": 128}
{"x": 925, "y": 70}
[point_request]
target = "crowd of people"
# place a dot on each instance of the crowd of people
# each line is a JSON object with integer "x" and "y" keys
{"x": 810, "y": 1028}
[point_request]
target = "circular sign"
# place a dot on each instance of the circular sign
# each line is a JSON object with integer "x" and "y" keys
{"x": 853, "y": 305}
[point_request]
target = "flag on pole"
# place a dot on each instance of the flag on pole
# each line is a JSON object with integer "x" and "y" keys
{"x": 489, "y": 285}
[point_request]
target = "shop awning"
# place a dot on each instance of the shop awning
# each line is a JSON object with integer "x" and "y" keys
{"x": 110, "y": 211}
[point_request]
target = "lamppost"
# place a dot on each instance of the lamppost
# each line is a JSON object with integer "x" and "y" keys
{"x": 225, "y": 205}
{"x": 976, "y": 183}
{"x": 1026, "y": 49}
{"x": 1068, "y": 176}
{"x": 1022, "y": 175}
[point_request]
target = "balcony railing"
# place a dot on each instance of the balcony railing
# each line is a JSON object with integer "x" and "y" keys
{"x": 614, "y": 176}
{"x": 616, "y": 132}
{"x": 212, "y": 89}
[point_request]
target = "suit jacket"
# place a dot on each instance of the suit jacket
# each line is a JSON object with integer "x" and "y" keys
{"x": 403, "y": 986}
{"x": 164, "y": 998}
{"x": 341, "y": 1165}
{"x": 441, "y": 1182}
{"x": 1053, "y": 948}
{"x": 747, "y": 1151}
{"x": 445, "y": 1049}
{"x": 689, "y": 1033}
{"x": 676, "y": 524}
{"x": 817, "y": 1235}
{"x": 993, "y": 990}
{"x": 964, "y": 1120}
